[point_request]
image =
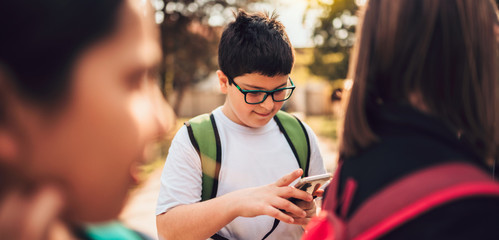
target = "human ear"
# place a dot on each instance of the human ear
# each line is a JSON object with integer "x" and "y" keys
{"x": 9, "y": 146}
{"x": 9, "y": 149}
{"x": 223, "y": 81}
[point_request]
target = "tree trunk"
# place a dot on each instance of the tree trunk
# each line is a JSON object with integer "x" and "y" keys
{"x": 178, "y": 100}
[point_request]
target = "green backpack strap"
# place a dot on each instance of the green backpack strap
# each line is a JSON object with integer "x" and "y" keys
{"x": 110, "y": 231}
{"x": 297, "y": 137}
{"x": 203, "y": 134}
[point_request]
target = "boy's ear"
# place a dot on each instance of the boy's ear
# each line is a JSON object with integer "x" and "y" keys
{"x": 223, "y": 81}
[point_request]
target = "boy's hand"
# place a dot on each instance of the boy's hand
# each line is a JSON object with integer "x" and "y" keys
{"x": 272, "y": 200}
{"x": 309, "y": 207}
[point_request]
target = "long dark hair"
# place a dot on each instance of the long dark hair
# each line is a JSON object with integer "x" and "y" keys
{"x": 445, "y": 52}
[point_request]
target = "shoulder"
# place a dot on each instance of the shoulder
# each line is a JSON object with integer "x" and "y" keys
{"x": 309, "y": 130}
{"x": 199, "y": 127}
{"x": 288, "y": 118}
{"x": 198, "y": 123}
{"x": 182, "y": 147}
{"x": 390, "y": 160}
{"x": 182, "y": 135}
{"x": 471, "y": 218}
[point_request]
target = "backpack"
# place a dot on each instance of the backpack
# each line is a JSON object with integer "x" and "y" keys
{"x": 204, "y": 136}
{"x": 398, "y": 203}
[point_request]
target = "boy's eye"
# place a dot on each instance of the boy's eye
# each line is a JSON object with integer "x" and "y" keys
{"x": 255, "y": 94}
{"x": 279, "y": 93}
{"x": 255, "y": 97}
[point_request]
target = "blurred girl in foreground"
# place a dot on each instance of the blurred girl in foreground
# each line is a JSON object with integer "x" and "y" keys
{"x": 424, "y": 74}
{"x": 79, "y": 104}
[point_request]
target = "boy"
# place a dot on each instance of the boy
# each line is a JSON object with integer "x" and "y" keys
{"x": 257, "y": 161}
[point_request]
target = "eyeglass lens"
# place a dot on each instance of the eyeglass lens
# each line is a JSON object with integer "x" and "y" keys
{"x": 256, "y": 97}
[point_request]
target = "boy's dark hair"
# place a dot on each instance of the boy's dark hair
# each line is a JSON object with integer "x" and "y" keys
{"x": 255, "y": 43}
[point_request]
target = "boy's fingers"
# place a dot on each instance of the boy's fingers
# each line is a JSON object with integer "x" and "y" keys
{"x": 275, "y": 213}
{"x": 289, "y": 178}
{"x": 291, "y": 192}
{"x": 319, "y": 193}
{"x": 301, "y": 221}
{"x": 311, "y": 212}
{"x": 310, "y": 209}
{"x": 305, "y": 205}
{"x": 288, "y": 207}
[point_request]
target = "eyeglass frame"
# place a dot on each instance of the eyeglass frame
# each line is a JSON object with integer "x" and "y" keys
{"x": 267, "y": 93}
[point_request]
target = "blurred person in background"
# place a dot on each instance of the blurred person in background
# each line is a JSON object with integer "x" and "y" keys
{"x": 425, "y": 74}
{"x": 79, "y": 106}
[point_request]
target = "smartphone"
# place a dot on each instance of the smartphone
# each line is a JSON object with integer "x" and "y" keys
{"x": 311, "y": 184}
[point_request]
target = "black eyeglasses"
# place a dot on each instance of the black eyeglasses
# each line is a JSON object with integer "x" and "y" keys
{"x": 259, "y": 96}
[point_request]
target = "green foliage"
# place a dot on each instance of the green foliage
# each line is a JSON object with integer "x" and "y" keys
{"x": 190, "y": 32}
{"x": 334, "y": 37}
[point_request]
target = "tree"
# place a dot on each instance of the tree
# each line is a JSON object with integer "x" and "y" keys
{"x": 190, "y": 32}
{"x": 334, "y": 37}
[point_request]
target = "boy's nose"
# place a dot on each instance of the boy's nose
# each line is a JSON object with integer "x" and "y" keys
{"x": 268, "y": 104}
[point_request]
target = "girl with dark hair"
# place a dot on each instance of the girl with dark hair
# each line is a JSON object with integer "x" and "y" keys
{"x": 79, "y": 106}
{"x": 424, "y": 76}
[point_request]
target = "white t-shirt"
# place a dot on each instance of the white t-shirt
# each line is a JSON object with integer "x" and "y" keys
{"x": 251, "y": 157}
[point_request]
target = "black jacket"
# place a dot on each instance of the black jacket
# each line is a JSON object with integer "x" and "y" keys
{"x": 410, "y": 141}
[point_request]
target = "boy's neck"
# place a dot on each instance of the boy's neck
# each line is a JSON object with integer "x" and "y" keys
{"x": 230, "y": 115}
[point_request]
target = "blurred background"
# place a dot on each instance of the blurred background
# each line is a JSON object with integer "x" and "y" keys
{"x": 322, "y": 33}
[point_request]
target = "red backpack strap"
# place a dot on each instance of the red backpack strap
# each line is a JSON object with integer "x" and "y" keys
{"x": 322, "y": 226}
{"x": 328, "y": 225}
{"x": 415, "y": 194}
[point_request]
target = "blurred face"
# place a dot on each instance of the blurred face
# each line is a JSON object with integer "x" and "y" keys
{"x": 94, "y": 144}
{"x": 251, "y": 115}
